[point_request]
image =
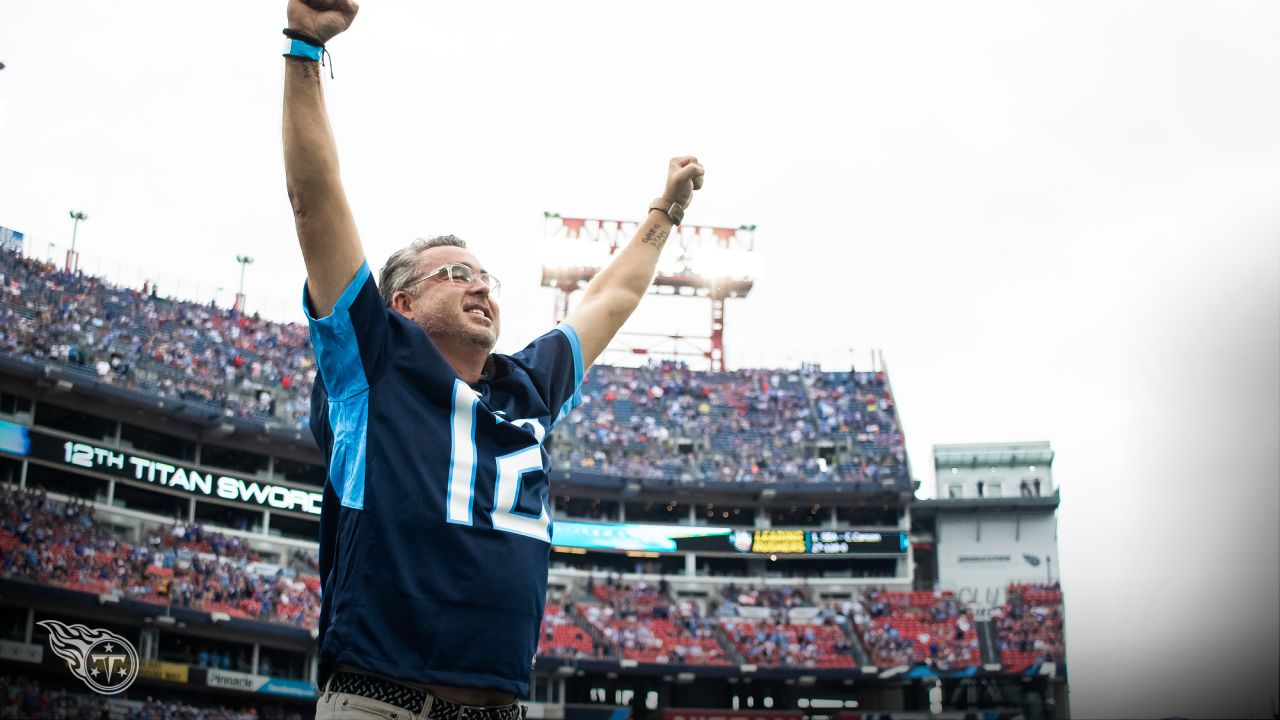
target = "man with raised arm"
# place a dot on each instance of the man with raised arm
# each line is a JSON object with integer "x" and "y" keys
{"x": 436, "y": 526}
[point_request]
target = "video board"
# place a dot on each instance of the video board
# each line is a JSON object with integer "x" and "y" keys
{"x": 694, "y": 538}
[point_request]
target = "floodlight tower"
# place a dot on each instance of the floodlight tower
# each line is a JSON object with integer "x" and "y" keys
{"x": 245, "y": 261}
{"x": 73, "y": 259}
{"x": 699, "y": 261}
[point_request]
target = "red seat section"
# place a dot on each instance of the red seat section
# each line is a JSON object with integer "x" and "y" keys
{"x": 775, "y": 644}
{"x": 907, "y": 628}
{"x": 561, "y": 636}
{"x": 1029, "y": 628}
{"x": 641, "y": 623}
{"x": 61, "y": 544}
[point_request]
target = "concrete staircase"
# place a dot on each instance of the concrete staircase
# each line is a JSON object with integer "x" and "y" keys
{"x": 860, "y": 654}
{"x": 990, "y": 651}
{"x": 727, "y": 644}
{"x": 592, "y": 631}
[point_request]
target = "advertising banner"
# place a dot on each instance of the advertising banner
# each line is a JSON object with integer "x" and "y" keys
{"x": 244, "y": 682}
{"x": 39, "y": 445}
{"x": 167, "y": 671}
{"x": 229, "y": 680}
{"x": 286, "y": 686}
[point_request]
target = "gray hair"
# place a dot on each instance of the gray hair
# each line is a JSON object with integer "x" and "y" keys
{"x": 402, "y": 265}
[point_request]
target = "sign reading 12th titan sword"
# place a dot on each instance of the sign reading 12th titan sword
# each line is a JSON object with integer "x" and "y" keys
{"x": 39, "y": 445}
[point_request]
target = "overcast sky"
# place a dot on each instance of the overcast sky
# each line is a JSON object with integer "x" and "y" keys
{"x": 1058, "y": 223}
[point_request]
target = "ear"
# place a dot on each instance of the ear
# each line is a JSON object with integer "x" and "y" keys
{"x": 402, "y": 303}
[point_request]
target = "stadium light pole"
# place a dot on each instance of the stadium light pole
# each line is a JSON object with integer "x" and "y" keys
{"x": 73, "y": 260}
{"x": 245, "y": 261}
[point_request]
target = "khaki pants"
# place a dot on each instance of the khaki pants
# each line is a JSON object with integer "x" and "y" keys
{"x": 345, "y": 706}
{"x": 342, "y": 706}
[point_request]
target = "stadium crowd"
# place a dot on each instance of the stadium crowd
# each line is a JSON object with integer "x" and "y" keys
{"x": 23, "y": 697}
{"x": 641, "y": 622}
{"x": 667, "y": 421}
{"x": 186, "y": 565}
{"x": 1029, "y": 626}
{"x": 154, "y": 709}
{"x": 236, "y": 365}
{"x": 907, "y": 628}
{"x": 661, "y": 421}
{"x": 62, "y": 544}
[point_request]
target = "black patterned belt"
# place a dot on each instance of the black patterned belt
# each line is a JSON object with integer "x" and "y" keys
{"x": 411, "y": 699}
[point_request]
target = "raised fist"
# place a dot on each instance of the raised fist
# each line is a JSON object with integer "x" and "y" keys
{"x": 683, "y": 177}
{"x": 321, "y": 19}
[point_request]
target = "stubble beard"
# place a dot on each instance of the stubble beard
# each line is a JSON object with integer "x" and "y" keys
{"x": 447, "y": 325}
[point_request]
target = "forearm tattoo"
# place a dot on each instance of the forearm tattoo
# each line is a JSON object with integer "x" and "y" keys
{"x": 656, "y": 237}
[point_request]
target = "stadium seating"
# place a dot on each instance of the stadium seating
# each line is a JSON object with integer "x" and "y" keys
{"x": 25, "y": 697}
{"x": 743, "y": 426}
{"x": 61, "y": 544}
{"x": 907, "y": 628}
{"x": 781, "y": 627}
{"x": 561, "y": 636}
{"x": 1029, "y": 626}
{"x": 641, "y": 623}
{"x": 770, "y": 643}
{"x": 134, "y": 339}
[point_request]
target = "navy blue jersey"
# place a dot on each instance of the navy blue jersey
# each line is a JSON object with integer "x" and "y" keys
{"x": 436, "y": 527}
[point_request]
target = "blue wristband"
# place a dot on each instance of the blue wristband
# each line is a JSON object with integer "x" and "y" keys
{"x": 300, "y": 49}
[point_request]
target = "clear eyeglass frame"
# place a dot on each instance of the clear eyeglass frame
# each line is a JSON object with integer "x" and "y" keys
{"x": 460, "y": 273}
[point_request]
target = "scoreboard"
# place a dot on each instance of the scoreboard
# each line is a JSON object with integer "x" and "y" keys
{"x": 696, "y": 538}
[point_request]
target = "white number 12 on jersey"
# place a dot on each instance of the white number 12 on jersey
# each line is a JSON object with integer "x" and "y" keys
{"x": 509, "y": 471}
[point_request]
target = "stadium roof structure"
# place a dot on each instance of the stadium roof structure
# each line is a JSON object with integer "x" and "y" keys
{"x": 1006, "y": 454}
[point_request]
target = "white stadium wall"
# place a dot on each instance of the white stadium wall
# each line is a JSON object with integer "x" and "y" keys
{"x": 980, "y": 554}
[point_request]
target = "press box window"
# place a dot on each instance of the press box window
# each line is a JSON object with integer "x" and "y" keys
{"x": 294, "y": 528}
{"x": 64, "y": 483}
{"x": 143, "y": 440}
{"x": 74, "y": 421}
{"x": 152, "y": 501}
{"x": 235, "y": 459}
{"x": 14, "y": 404}
{"x": 226, "y": 516}
{"x": 299, "y": 472}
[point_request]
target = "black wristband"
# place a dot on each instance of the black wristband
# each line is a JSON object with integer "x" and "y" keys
{"x": 295, "y": 35}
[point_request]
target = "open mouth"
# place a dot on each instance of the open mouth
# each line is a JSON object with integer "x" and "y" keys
{"x": 479, "y": 311}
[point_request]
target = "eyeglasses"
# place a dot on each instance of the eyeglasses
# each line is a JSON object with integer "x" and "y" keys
{"x": 462, "y": 274}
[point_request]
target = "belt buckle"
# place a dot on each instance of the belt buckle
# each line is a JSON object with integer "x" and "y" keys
{"x": 441, "y": 709}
